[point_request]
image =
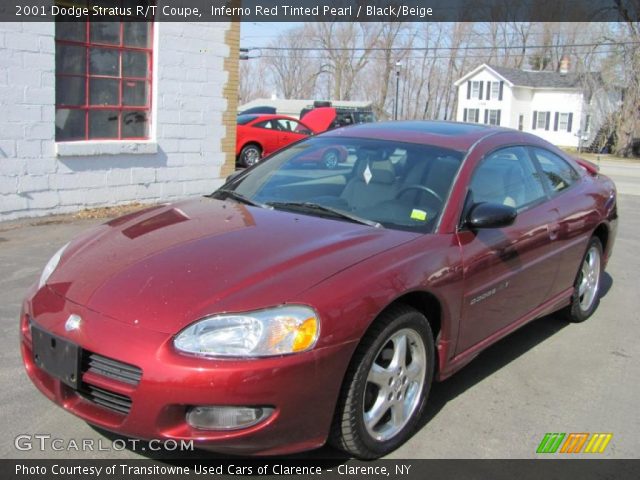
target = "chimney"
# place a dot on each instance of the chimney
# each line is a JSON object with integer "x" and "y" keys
{"x": 564, "y": 65}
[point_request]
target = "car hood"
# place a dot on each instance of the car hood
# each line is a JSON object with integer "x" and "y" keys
{"x": 319, "y": 119}
{"x": 166, "y": 267}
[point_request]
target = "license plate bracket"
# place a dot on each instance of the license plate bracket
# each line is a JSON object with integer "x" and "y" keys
{"x": 58, "y": 357}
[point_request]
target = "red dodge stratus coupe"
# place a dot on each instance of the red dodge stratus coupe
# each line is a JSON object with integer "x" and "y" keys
{"x": 293, "y": 307}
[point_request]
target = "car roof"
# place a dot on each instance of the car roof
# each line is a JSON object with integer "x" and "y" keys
{"x": 271, "y": 116}
{"x": 454, "y": 135}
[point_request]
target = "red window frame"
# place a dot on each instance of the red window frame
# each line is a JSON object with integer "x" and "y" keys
{"x": 87, "y": 44}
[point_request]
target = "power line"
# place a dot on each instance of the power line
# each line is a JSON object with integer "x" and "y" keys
{"x": 430, "y": 57}
{"x": 422, "y": 49}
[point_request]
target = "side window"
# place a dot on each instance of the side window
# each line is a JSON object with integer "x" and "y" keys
{"x": 558, "y": 174}
{"x": 507, "y": 176}
{"x": 267, "y": 124}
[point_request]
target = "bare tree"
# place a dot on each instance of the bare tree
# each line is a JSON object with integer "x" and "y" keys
{"x": 347, "y": 48}
{"x": 251, "y": 84}
{"x": 295, "y": 71}
{"x": 628, "y": 120}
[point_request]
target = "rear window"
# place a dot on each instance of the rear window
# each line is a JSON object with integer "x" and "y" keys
{"x": 244, "y": 119}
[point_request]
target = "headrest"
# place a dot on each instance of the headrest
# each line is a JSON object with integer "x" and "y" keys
{"x": 382, "y": 172}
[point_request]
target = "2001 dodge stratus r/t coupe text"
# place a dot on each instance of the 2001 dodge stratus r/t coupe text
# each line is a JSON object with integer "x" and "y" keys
{"x": 298, "y": 305}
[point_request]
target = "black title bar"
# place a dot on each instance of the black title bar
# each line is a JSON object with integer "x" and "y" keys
{"x": 324, "y": 10}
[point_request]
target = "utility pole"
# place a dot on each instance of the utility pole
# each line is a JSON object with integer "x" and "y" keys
{"x": 395, "y": 112}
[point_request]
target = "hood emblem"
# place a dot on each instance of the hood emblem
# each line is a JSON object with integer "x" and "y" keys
{"x": 73, "y": 322}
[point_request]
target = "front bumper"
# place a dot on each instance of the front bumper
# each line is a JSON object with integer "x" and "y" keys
{"x": 303, "y": 388}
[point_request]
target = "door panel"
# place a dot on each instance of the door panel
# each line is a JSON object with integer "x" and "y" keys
{"x": 507, "y": 271}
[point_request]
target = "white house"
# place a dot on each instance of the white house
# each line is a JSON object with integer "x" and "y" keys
{"x": 554, "y": 105}
{"x": 105, "y": 113}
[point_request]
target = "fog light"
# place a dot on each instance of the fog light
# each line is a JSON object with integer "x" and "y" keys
{"x": 226, "y": 418}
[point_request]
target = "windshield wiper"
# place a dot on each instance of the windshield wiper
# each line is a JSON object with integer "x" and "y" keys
{"x": 316, "y": 207}
{"x": 238, "y": 197}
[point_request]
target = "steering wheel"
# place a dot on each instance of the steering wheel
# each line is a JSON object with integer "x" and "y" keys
{"x": 421, "y": 188}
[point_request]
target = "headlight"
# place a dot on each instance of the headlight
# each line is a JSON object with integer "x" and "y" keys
{"x": 275, "y": 331}
{"x": 51, "y": 266}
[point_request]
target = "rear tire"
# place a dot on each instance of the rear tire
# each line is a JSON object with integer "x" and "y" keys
{"x": 386, "y": 386}
{"x": 586, "y": 290}
{"x": 250, "y": 155}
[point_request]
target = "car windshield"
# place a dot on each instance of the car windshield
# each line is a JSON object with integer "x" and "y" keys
{"x": 379, "y": 183}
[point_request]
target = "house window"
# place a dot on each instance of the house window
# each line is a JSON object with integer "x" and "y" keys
{"x": 471, "y": 115}
{"x": 521, "y": 122}
{"x": 541, "y": 120}
{"x": 493, "y": 117}
{"x": 103, "y": 80}
{"x": 475, "y": 89}
{"x": 587, "y": 124}
{"x": 495, "y": 90}
{"x": 564, "y": 122}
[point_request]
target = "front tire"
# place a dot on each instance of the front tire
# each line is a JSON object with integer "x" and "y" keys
{"x": 250, "y": 155}
{"x": 330, "y": 159}
{"x": 386, "y": 386}
{"x": 586, "y": 291}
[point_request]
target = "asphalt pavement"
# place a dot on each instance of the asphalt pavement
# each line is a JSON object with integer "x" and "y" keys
{"x": 549, "y": 376}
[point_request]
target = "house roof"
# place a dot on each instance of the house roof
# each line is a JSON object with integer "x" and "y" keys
{"x": 537, "y": 79}
{"x": 532, "y": 78}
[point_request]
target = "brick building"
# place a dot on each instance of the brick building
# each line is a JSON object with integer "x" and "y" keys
{"x": 107, "y": 113}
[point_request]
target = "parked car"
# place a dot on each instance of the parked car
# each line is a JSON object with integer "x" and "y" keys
{"x": 260, "y": 135}
{"x": 259, "y": 110}
{"x": 283, "y": 311}
{"x": 345, "y": 116}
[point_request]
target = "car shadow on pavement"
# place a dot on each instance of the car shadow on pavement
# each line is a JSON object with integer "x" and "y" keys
{"x": 490, "y": 361}
{"x": 498, "y": 356}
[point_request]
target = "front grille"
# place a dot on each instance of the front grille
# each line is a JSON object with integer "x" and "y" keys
{"x": 112, "y": 401}
{"x": 113, "y": 370}
{"x": 110, "y": 368}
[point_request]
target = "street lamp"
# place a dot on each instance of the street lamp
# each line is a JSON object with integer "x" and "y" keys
{"x": 398, "y": 67}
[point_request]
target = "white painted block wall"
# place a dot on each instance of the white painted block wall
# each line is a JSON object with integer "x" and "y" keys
{"x": 183, "y": 158}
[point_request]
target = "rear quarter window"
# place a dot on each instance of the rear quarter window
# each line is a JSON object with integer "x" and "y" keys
{"x": 557, "y": 172}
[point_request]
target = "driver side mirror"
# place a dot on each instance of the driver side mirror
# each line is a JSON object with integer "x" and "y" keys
{"x": 490, "y": 215}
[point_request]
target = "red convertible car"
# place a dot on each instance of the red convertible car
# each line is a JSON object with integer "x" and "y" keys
{"x": 260, "y": 135}
{"x": 284, "y": 311}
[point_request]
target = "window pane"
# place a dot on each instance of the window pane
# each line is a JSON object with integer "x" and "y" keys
{"x": 104, "y": 61}
{"x": 70, "y": 59}
{"x": 76, "y": 31}
{"x": 103, "y": 124}
{"x": 134, "y": 64}
{"x": 134, "y": 93}
{"x": 542, "y": 120}
{"x": 134, "y": 124}
{"x": 558, "y": 173}
{"x": 69, "y": 124}
{"x": 104, "y": 91}
{"x": 70, "y": 90}
{"x": 507, "y": 177}
{"x": 136, "y": 34}
{"x": 105, "y": 32}
{"x": 495, "y": 90}
{"x": 563, "y": 122}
